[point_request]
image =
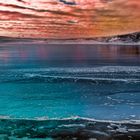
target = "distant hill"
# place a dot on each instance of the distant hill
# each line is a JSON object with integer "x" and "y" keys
{"x": 128, "y": 38}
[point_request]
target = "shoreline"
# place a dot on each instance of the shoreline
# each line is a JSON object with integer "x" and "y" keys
{"x": 70, "y": 128}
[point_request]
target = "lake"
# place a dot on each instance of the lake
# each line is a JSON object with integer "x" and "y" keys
{"x": 53, "y": 81}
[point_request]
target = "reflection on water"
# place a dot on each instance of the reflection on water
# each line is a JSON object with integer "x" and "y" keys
{"x": 68, "y": 55}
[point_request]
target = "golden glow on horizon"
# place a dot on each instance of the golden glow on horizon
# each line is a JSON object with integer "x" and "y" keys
{"x": 62, "y": 19}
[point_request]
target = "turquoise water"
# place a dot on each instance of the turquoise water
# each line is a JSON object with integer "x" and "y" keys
{"x": 60, "y": 81}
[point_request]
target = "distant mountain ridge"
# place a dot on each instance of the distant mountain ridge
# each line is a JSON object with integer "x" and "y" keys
{"x": 127, "y": 38}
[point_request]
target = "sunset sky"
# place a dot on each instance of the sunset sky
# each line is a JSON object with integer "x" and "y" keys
{"x": 66, "y": 19}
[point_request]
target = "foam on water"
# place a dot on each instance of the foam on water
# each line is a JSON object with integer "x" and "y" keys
{"x": 92, "y": 74}
{"x": 97, "y": 69}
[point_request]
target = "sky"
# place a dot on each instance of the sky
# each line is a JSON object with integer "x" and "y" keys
{"x": 68, "y": 19}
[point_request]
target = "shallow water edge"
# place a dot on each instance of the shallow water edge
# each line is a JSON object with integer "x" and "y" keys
{"x": 70, "y": 128}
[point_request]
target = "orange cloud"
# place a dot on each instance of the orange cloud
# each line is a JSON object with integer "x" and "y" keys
{"x": 68, "y": 18}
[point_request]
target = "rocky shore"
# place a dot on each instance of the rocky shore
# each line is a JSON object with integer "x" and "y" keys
{"x": 68, "y": 129}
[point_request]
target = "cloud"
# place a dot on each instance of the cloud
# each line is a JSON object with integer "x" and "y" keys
{"x": 68, "y": 18}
